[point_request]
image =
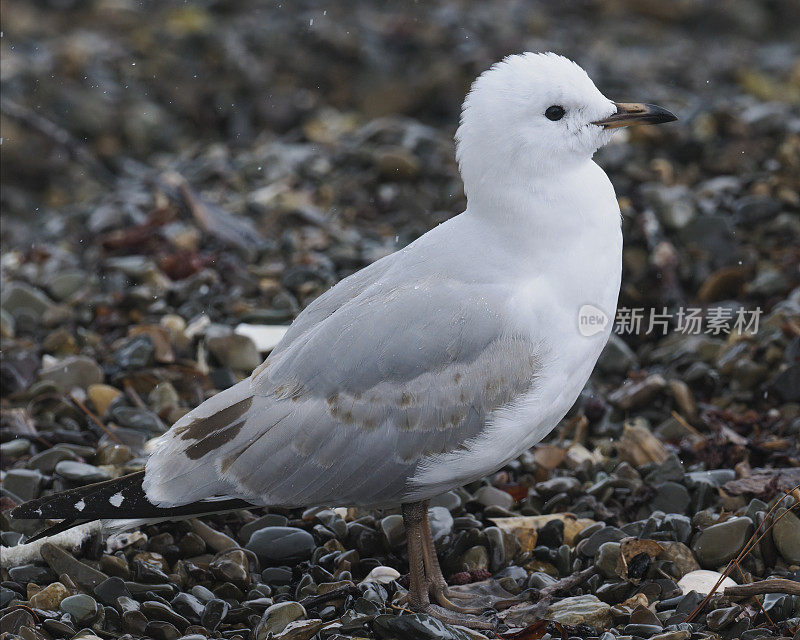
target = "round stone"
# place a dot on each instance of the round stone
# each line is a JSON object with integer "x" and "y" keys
{"x": 786, "y": 534}
{"x": 80, "y": 472}
{"x": 281, "y": 545}
{"x": 50, "y": 597}
{"x": 607, "y": 557}
{"x": 276, "y": 618}
{"x": 81, "y": 607}
{"x": 491, "y": 496}
{"x": 719, "y": 543}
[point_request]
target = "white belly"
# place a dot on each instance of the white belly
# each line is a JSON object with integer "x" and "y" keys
{"x": 584, "y": 268}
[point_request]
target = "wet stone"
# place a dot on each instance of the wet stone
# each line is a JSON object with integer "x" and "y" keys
{"x": 80, "y": 472}
{"x": 606, "y": 534}
{"x": 188, "y": 606}
{"x": 161, "y": 630}
{"x": 449, "y": 500}
{"x": 23, "y": 301}
{"x": 62, "y": 562}
{"x": 281, "y": 545}
{"x": 551, "y": 534}
{"x": 642, "y": 630}
{"x": 136, "y": 353}
{"x": 63, "y": 285}
{"x": 715, "y": 477}
{"x": 109, "y": 590}
{"x": 58, "y": 629}
{"x": 680, "y": 524}
{"x": 46, "y": 461}
{"x": 191, "y": 545}
{"x": 269, "y": 520}
{"x": 393, "y": 530}
{"x": 680, "y": 556}
{"x": 101, "y": 396}
{"x": 81, "y": 607}
{"x": 13, "y": 621}
{"x": 475, "y": 558}
{"x": 276, "y": 618}
{"x": 26, "y": 573}
{"x": 787, "y": 384}
{"x": 588, "y": 610}
{"x": 233, "y": 565}
{"x": 15, "y": 448}
{"x": 786, "y": 534}
{"x": 670, "y": 497}
{"x": 617, "y": 357}
{"x": 235, "y": 351}
{"x": 23, "y": 483}
{"x": 202, "y": 593}
{"x": 72, "y": 372}
{"x": 721, "y": 618}
{"x": 139, "y": 419}
{"x": 115, "y": 566}
{"x": 50, "y": 597}
{"x": 155, "y": 610}
{"x": 608, "y": 556}
{"x": 490, "y": 496}
{"x": 214, "y": 613}
{"x": 719, "y": 543}
{"x": 277, "y": 575}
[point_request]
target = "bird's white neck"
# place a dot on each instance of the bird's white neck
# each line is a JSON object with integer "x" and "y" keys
{"x": 550, "y": 208}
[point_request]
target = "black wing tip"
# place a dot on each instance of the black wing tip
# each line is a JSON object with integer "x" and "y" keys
{"x": 55, "y": 529}
{"x": 65, "y": 504}
{"x": 118, "y": 499}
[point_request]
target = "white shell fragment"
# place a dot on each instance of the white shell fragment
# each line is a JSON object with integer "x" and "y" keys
{"x": 702, "y": 581}
{"x": 382, "y": 575}
{"x": 118, "y": 541}
{"x": 265, "y": 336}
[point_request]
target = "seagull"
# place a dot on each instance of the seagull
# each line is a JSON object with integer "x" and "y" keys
{"x": 435, "y": 365}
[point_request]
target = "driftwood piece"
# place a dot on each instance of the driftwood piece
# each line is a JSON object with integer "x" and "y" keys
{"x": 773, "y": 585}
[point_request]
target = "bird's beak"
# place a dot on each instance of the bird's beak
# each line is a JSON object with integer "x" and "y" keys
{"x": 629, "y": 113}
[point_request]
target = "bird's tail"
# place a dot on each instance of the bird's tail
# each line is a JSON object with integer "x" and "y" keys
{"x": 119, "y": 499}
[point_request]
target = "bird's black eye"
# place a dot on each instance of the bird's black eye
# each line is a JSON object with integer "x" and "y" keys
{"x": 556, "y": 112}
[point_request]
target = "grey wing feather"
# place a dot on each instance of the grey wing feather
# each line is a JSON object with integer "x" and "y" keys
{"x": 346, "y": 410}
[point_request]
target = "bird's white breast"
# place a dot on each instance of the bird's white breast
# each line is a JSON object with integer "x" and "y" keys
{"x": 571, "y": 257}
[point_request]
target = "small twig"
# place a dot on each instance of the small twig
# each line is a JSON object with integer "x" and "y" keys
{"x": 546, "y": 595}
{"x": 94, "y": 419}
{"x": 772, "y": 585}
{"x": 685, "y": 424}
{"x": 58, "y": 135}
{"x": 135, "y": 397}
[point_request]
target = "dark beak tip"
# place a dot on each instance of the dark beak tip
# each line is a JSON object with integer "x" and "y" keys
{"x": 636, "y": 113}
{"x": 661, "y": 115}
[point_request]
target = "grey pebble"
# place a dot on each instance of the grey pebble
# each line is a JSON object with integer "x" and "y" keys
{"x": 80, "y": 472}
{"x": 81, "y": 607}
{"x": 23, "y": 483}
{"x": 719, "y": 543}
{"x": 281, "y": 545}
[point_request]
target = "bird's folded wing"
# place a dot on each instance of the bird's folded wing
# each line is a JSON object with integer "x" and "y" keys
{"x": 345, "y": 410}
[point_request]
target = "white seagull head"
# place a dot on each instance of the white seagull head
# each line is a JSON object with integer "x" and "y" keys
{"x": 533, "y": 115}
